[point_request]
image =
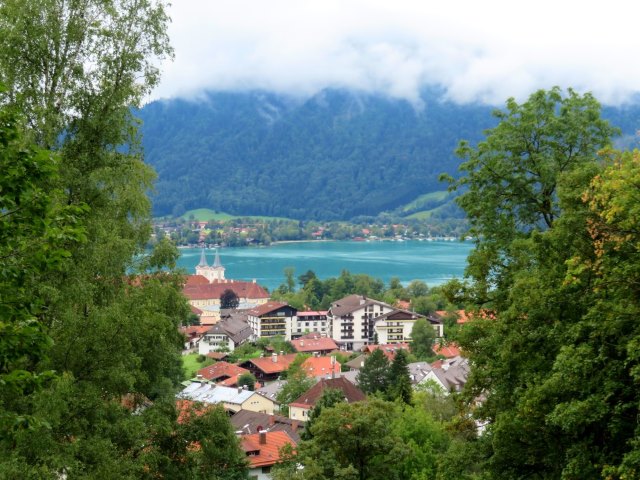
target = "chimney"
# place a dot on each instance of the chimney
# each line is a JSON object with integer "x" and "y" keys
{"x": 281, "y": 352}
{"x": 274, "y": 357}
{"x": 294, "y": 425}
{"x": 239, "y": 389}
{"x": 302, "y": 343}
{"x": 263, "y": 437}
{"x": 272, "y": 420}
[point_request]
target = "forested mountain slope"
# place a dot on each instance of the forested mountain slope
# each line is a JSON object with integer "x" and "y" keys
{"x": 336, "y": 155}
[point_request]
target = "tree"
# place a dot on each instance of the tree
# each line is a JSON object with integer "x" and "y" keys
{"x": 229, "y": 299}
{"x": 555, "y": 384}
{"x": 290, "y": 281}
{"x": 399, "y": 379}
{"x": 247, "y": 379}
{"x": 74, "y": 70}
{"x": 297, "y": 384}
{"x": 510, "y": 179}
{"x": 329, "y": 398}
{"x": 353, "y": 441}
{"x": 374, "y": 374}
{"x": 422, "y": 338}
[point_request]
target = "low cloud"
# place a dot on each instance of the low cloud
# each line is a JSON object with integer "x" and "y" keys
{"x": 475, "y": 51}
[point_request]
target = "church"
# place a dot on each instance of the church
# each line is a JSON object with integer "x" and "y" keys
{"x": 204, "y": 289}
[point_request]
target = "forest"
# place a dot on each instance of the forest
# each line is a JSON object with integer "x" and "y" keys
{"x": 335, "y": 156}
{"x": 89, "y": 341}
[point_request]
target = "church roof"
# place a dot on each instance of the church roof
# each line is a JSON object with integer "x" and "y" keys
{"x": 216, "y": 261}
{"x": 203, "y": 259}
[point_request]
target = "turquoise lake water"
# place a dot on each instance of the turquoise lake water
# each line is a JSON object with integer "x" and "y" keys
{"x": 432, "y": 262}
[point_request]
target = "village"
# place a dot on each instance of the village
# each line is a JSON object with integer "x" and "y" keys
{"x": 319, "y": 351}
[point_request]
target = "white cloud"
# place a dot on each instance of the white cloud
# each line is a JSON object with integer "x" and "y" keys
{"x": 477, "y": 51}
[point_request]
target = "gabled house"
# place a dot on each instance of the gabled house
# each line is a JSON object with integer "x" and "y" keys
{"x": 225, "y": 372}
{"x": 233, "y": 399}
{"x": 270, "y": 368}
{"x": 263, "y": 452}
{"x": 450, "y": 374}
{"x": 246, "y": 422}
{"x": 396, "y": 326}
{"x": 314, "y": 344}
{"x": 270, "y": 319}
{"x": 228, "y": 333}
{"x": 351, "y": 320}
{"x": 299, "y": 409}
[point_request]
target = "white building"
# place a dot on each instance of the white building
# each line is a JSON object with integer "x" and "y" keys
{"x": 351, "y": 320}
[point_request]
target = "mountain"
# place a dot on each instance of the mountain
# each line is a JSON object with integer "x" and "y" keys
{"x": 336, "y": 155}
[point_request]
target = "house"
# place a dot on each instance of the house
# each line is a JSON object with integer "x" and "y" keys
{"x": 267, "y": 369}
{"x": 227, "y": 334}
{"x": 314, "y": 322}
{"x": 321, "y": 367}
{"x": 418, "y": 371}
{"x": 351, "y": 320}
{"x": 315, "y": 344}
{"x": 450, "y": 374}
{"x": 396, "y": 326}
{"x": 447, "y": 350}
{"x": 225, "y": 372}
{"x": 299, "y": 409}
{"x": 270, "y": 319}
{"x": 263, "y": 451}
{"x": 246, "y": 422}
{"x": 192, "y": 335}
{"x": 270, "y": 368}
{"x": 233, "y": 399}
{"x": 389, "y": 350}
{"x": 357, "y": 363}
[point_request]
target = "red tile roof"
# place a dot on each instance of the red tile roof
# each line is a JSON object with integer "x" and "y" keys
{"x": 221, "y": 369}
{"x": 186, "y": 408}
{"x": 314, "y": 344}
{"x": 320, "y": 366}
{"x": 448, "y": 351}
{"x": 464, "y": 317}
{"x": 309, "y": 398}
{"x": 274, "y": 363}
{"x": 266, "y": 308}
{"x": 312, "y": 313}
{"x": 214, "y": 290}
{"x": 192, "y": 280}
{"x": 389, "y": 350}
{"x": 267, "y": 454}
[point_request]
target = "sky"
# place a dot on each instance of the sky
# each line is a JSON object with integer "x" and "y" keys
{"x": 475, "y": 51}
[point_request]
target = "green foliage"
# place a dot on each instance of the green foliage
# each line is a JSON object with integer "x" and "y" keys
{"x": 373, "y": 377}
{"x": 353, "y": 441}
{"x": 556, "y": 263}
{"x": 297, "y": 384}
{"x": 399, "y": 387}
{"x": 329, "y": 398}
{"x": 247, "y": 379}
{"x": 423, "y": 337}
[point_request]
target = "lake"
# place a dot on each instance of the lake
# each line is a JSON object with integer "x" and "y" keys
{"x": 432, "y": 262}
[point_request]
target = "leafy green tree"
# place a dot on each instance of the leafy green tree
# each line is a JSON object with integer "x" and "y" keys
{"x": 290, "y": 281}
{"x": 297, "y": 383}
{"x": 423, "y": 337}
{"x": 374, "y": 374}
{"x": 399, "y": 379}
{"x": 353, "y": 441}
{"x": 219, "y": 455}
{"x": 329, "y": 398}
{"x": 548, "y": 389}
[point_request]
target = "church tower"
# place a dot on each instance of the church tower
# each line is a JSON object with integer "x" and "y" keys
{"x": 212, "y": 273}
